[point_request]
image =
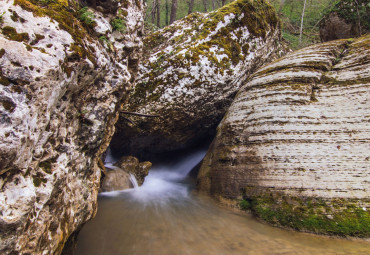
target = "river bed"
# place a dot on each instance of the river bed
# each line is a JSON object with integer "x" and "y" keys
{"x": 166, "y": 217}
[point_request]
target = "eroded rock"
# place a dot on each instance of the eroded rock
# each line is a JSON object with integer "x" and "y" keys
{"x": 294, "y": 143}
{"x": 191, "y": 72}
{"x": 60, "y": 90}
{"x": 132, "y": 165}
{"x": 116, "y": 179}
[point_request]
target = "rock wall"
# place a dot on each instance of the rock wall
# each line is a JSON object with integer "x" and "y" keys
{"x": 63, "y": 73}
{"x": 191, "y": 71}
{"x": 294, "y": 145}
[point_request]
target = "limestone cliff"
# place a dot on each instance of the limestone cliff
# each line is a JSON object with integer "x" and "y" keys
{"x": 191, "y": 72}
{"x": 64, "y": 71}
{"x": 294, "y": 145}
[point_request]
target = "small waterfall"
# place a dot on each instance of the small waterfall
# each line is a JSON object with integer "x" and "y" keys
{"x": 134, "y": 181}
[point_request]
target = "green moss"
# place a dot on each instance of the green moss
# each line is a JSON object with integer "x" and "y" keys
{"x": 336, "y": 217}
{"x": 66, "y": 14}
{"x": 46, "y": 166}
{"x": 9, "y": 106}
{"x": 11, "y": 34}
{"x": 2, "y": 52}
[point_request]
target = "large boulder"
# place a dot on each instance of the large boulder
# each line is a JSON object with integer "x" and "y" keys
{"x": 116, "y": 179}
{"x": 191, "y": 72}
{"x": 132, "y": 165}
{"x": 60, "y": 91}
{"x": 347, "y": 19}
{"x": 294, "y": 145}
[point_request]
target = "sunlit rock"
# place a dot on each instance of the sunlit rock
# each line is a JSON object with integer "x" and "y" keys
{"x": 191, "y": 72}
{"x": 61, "y": 84}
{"x": 294, "y": 144}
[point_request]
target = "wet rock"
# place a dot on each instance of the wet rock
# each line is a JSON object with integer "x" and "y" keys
{"x": 191, "y": 72}
{"x": 60, "y": 91}
{"x": 294, "y": 143}
{"x": 132, "y": 165}
{"x": 116, "y": 179}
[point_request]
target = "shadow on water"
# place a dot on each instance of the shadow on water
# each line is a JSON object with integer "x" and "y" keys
{"x": 164, "y": 216}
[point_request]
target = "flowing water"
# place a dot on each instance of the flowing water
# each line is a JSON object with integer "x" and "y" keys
{"x": 165, "y": 217}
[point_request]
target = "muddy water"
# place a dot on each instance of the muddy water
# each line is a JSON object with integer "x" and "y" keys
{"x": 165, "y": 216}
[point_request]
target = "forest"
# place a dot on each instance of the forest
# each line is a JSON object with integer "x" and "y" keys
{"x": 300, "y": 18}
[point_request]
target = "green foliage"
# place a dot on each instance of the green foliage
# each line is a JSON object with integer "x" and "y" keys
{"x": 118, "y": 24}
{"x": 347, "y": 9}
{"x": 86, "y": 16}
{"x": 312, "y": 215}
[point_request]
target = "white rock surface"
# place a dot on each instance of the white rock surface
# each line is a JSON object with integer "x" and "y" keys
{"x": 59, "y": 97}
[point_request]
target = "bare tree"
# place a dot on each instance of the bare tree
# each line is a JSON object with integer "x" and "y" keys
{"x": 158, "y": 13}
{"x": 191, "y": 5}
{"x": 173, "y": 11}
{"x": 358, "y": 19}
{"x": 301, "y": 29}
{"x": 153, "y": 11}
{"x": 205, "y": 5}
{"x": 167, "y": 12}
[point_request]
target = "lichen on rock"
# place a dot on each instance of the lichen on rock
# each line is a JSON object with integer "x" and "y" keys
{"x": 191, "y": 71}
{"x": 294, "y": 143}
{"x": 60, "y": 91}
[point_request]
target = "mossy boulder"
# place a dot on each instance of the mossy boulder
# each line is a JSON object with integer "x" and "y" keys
{"x": 190, "y": 73}
{"x": 60, "y": 91}
{"x": 294, "y": 143}
{"x": 347, "y": 18}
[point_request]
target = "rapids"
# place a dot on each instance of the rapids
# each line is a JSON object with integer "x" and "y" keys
{"x": 166, "y": 217}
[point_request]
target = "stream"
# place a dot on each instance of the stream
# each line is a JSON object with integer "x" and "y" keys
{"x": 166, "y": 217}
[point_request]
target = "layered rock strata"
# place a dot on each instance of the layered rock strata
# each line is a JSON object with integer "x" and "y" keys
{"x": 64, "y": 70}
{"x": 191, "y": 72}
{"x": 294, "y": 145}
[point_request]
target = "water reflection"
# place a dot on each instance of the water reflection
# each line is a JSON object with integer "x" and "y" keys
{"x": 164, "y": 217}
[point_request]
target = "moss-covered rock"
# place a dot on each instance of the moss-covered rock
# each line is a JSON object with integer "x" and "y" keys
{"x": 60, "y": 91}
{"x": 191, "y": 72}
{"x": 293, "y": 144}
{"x": 346, "y": 19}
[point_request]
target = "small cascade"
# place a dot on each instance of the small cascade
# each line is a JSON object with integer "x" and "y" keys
{"x": 134, "y": 181}
{"x": 109, "y": 160}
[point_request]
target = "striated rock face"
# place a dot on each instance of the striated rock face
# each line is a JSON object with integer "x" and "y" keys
{"x": 295, "y": 142}
{"x": 191, "y": 72}
{"x": 60, "y": 90}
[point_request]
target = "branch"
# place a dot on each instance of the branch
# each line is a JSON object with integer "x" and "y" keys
{"x": 140, "y": 114}
{"x": 128, "y": 120}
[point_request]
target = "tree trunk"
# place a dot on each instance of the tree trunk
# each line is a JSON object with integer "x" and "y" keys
{"x": 191, "y": 4}
{"x": 301, "y": 29}
{"x": 167, "y": 13}
{"x": 358, "y": 19}
{"x": 158, "y": 13}
{"x": 173, "y": 11}
{"x": 213, "y": 5}
{"x": 281, "y": 7}
{"x": 223, "y": 2}
{"x": 205, "y": 5}
{"x": 153, "y": 11}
